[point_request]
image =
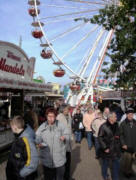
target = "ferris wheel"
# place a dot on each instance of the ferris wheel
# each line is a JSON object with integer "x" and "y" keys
{"x": 68, "y": 38}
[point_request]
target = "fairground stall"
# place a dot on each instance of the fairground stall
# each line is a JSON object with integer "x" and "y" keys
{"x": 122, "y": 98}
{"x": 16, "y": 80}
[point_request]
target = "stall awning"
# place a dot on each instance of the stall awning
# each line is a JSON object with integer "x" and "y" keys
{"x": 25, "y": 85}
{"x": 38, "y": 94}
{"x": 54, "y": 95}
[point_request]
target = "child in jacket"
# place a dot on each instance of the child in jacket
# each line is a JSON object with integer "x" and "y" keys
{"x": 23, "y": 158}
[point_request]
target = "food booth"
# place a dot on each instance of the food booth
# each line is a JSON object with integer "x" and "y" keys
{"x": 16, "y": 80}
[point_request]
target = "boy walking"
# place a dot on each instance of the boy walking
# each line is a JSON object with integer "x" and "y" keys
{"x": 23, "y": 158}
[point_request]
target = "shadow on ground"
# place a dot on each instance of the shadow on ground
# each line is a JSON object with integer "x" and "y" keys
{"x": 122, "y": 177}
{"x": 77, "y": 159}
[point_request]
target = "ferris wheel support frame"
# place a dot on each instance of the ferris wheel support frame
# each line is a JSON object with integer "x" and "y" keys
{"x": 90, "y": 81}
{"x": 83, "y": 91}
{"x": 85, "y": 67}
{"x": 71, "y": 94}
{"x": 100, "y": 60}
{"x": 92, "y": 51}
{"x": 102, "y": 55}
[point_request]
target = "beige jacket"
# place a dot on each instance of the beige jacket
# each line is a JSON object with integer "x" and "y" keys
{"x": 96, "y": 124}
{"x": 87, "y": 121}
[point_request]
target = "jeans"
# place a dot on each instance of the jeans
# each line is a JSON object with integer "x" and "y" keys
{"x": 97, "y": 146}
{"x": 115, "y": 168}
{"x": 54, "y": 173}
{"x": 78, "y": 136}
{"x": 89, "y": 139}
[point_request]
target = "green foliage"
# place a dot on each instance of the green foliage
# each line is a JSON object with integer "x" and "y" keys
{"x": 105, "y": 63}
{"x": 122, "y": 19}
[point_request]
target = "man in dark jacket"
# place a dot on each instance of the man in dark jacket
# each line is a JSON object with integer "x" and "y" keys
{"x": 109, "y": 140}
{"x": 78, "y": 125}
{"x": 128, "y": 142}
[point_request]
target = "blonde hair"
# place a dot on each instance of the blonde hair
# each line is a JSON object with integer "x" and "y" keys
{"x": 18, "y": 121}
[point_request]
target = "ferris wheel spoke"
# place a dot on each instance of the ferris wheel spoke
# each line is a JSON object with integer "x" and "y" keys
{"x": 68, "y": 14}
{"x": 103, "y": 52}
{"x": 88, "y": 2}
{"x": 67, "y": 19}
{"x": 64, "y": 7}
{"x": 79, "y": 42}
{"x": 75, "y": 28}
{"x": 53, "y": 59}
{"x": 83, "y": 61}
{"x": 92, "y": 51}
{"x": 107, "y": 1}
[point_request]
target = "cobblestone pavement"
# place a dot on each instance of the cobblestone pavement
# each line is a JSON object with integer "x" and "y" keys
{"x": 84, "y": 165}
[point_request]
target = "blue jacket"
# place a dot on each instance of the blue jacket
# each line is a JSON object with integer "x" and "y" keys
{"x": 28, "y": 137}
{"x": 23, "y": 157}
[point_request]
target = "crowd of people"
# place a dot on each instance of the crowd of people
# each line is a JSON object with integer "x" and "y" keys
{"x": 114, "y": 139}
{"x": 50, "y": 142}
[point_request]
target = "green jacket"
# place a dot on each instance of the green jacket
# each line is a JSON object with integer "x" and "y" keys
{"x": 128, "y": 134}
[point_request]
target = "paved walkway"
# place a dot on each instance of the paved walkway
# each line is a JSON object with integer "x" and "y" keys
{"x": 84, "y": 164}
